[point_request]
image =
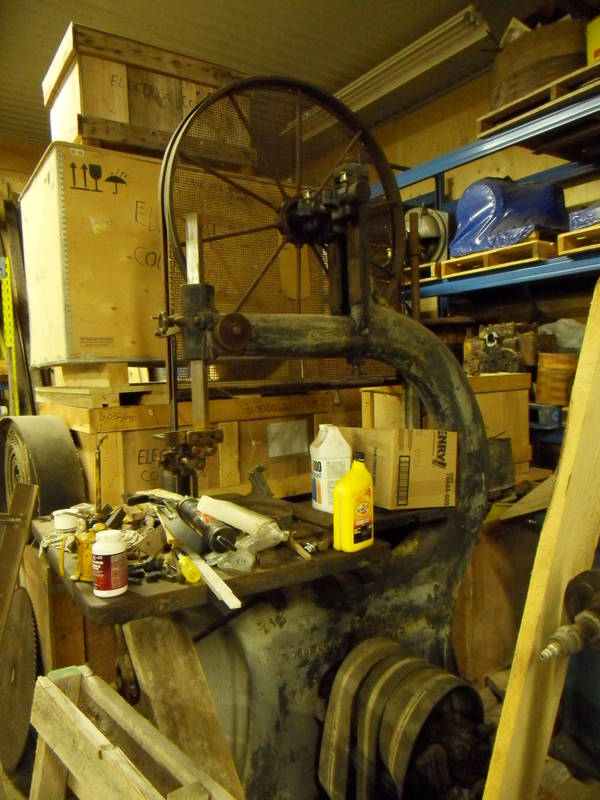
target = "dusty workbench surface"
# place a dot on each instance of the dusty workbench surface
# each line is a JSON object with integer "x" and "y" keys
{"x": 278, "y": 568}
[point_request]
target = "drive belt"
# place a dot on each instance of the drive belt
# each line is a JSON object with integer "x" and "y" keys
{"x": 407, "y": 708}
{"x": 335, "y": 747}
{"x": 372, "y": 702}
{"x": 388, "y": 695}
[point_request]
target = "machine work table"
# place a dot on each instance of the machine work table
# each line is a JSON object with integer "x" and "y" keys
{"x": 278, "y": 568}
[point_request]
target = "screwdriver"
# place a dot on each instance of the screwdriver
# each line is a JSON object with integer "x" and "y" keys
{"x": 188, "y": 569}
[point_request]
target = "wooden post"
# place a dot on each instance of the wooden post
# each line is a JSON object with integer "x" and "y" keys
{"x": 171, "y": 676}
{"x": 50, "y": 775}
{"x": 567, "y": 545}
{"x": 12, "y": 543}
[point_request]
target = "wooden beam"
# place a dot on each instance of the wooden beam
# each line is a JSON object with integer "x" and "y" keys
{"x": 194, "y": 791}
{"x": 567, "y": 545}
{"x": 13, "y": 536}
{"x": 170, "y": 674}
{"x": 49, "y": 780}
{"x": 133, "y": 733}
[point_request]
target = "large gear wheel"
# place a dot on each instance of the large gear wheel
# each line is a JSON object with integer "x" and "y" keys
{"x": 18, "y": 673}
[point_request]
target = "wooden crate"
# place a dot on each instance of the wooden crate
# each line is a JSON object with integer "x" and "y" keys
{"x": 273, "y": 431}
{"x": 502, "y": 397}
{"x": 129, "y": 94}
{"x": 555, "y": 375}
{"x": 93, "y": 257}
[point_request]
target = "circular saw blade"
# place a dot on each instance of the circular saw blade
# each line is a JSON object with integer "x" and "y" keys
{"x": 18, "y": 672}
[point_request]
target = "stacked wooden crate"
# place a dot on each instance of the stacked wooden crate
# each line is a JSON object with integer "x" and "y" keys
{"x": 120, "y": 437}
{"x": 91, "y": 221}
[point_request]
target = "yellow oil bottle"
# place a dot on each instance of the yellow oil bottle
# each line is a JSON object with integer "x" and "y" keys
{"x": 353, "y": 508}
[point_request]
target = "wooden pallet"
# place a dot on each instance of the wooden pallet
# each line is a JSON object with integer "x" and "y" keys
{"x": 430, "y": 271}
{"x": 527, "y": 252}
{"x": 579, "y": 241}
{"x": 575, "y": 86}
{"x": 74, "y": 712}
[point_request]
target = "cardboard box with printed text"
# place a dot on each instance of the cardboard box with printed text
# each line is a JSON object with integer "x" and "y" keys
{"x": 411, "y": 468}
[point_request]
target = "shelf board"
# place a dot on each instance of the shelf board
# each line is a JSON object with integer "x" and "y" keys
{"x": 561, "y": 267}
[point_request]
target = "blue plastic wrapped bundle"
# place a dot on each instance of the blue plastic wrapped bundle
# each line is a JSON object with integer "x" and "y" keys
{"x": 584, "y": 217}
{"x": 496, "y": 212}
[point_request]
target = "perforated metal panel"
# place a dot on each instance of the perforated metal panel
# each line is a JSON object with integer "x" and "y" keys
{"x": 245, "y": 155}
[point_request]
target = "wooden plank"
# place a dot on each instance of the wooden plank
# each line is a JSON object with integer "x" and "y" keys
{"x": 493, "y": 587}
{"x": 430, "y": 271}
{"x": 66, "y": 105}
{"x": 499, "y": 382}
{"x": 574, "y": 96}
{"x": 63, "y": 58}
{"x": 99, "y": 768}
{"x": 135, "y": 735}
{"x": 120, "y": 135}
{"x": 567, "y": 545}
{"x": 195, "y": 791}
{"x": 525, "y": 252}
{"x": 156, "y": 59}
{"x": 250, "y": 407}
{"x": 554, "y": 94}
{"x": 104, "y": 90}
{"x": 229, "y": 455}
{"x": 538, "y": 499}
{"x": 171, "y": 676}
{"x": 35, "y": 576}
{"x": 13, "y": 536}
{"x": 58, "y": 621}
{"x": 49, "y": 779}
{"x": 580, "y": 240}
{"x": 154, "y": 100}
{"x": 88, "y": 375}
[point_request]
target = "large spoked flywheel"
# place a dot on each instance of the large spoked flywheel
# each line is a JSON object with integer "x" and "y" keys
{"x": 248, "y": 160}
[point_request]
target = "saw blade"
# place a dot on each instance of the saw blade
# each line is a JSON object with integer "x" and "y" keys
{"x": 18, "y": 672}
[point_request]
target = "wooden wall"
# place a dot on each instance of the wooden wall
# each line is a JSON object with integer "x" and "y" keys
{"x": 17, "y": 161}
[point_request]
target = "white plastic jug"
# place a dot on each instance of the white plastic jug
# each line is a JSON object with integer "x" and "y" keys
{"x": 331, "y": 458}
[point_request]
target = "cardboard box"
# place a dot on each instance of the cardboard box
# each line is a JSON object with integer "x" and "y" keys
{"x": 411, "y": 468}
{"x": 93, "y": 257}
{"x": 503, "y": 400}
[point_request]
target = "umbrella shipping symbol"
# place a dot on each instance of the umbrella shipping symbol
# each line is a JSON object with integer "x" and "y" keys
{"x": 85, "y": 178}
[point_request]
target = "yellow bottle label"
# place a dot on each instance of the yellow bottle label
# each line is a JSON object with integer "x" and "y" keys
{"x": 353, "y": 510}
{"x": 363, "y": 518}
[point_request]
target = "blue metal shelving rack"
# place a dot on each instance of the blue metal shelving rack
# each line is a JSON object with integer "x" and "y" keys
{"x": 563, "y": 266}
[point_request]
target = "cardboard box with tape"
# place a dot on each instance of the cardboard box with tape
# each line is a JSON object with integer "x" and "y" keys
{"x": 411, "y": 468}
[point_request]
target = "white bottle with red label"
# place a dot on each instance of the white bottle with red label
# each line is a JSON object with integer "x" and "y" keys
{"x": 330, "y": 457}
{"x": 109, "y": 564}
